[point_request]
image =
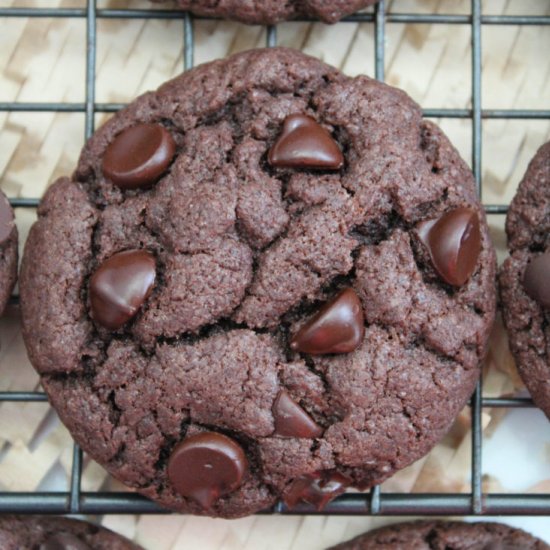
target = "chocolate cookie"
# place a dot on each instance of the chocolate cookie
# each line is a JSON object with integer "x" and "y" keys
{"x": 267, "y": 12}
{"x": 445, "y": 535}
{"x": 524, "y": 276}
{"x": 54, "y": 533}
{"x": 8, "y": 251}
{"x": 265, "y": 280}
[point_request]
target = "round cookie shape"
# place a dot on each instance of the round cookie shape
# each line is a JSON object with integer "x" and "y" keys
{"x": 55, "y": 533}
{"x": 524, "y": 278}
{"x": 268, "y": 12}
{"x": 451, "y": 535}
{"x": 8, "y": 251}
{"x": 294, "y": 311}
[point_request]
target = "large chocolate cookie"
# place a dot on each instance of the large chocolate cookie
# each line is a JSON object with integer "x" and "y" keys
{"x": 265, "y": 279}
{"x": 53, "y": 533}
{"x": 525, "y": 275}
{"x": 445, "y": 535}
{"x": 8, "y": 251}
{"x": 266, "y": 12}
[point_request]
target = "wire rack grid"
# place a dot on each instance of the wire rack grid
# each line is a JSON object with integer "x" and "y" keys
{"x": 375, "y": 502}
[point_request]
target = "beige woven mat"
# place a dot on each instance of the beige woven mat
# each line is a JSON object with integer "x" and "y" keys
{"x": 44, "y": 60}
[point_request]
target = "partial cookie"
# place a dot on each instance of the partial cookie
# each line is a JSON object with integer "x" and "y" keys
{"x": 265, "y": 280}
{"x": 55, "y": 533}
{"x": 8, "y": 251}
{"x": 445, "y": 535}
{"x": 267, "y": 12}
{"x": 524, "y": 278}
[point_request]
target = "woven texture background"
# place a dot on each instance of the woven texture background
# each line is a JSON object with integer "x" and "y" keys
{"x": 44, "y": 60}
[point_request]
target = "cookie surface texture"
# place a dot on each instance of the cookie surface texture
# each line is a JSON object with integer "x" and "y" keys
{"x": 441, "y": 535}
{"x": 267, "y": 12}
{"x": 56, "y": 533}
{"x": 284, "y": 329}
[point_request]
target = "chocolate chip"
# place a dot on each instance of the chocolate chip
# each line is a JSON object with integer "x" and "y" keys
{"x": 338, "y": 327}
{"x": 120, "y": 285}
{"x": 536, "y": 280}
{"x": 453, "y": 242}
{"x": 304, "y": 143}
{"x": 64, "y": 541}
{"x": 291, "y": 420}
{"x": 139, "y": 156}
{"x": 6, "y": 218}
{"x": 206, "y": 466}
{"x": 317, "y": 489}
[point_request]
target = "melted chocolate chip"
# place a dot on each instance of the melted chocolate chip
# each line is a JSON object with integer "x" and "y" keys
{"x": 206, "y": 466}
{"x": 304, "y": 143}
{"x": 6, "y": 218}
{"x": 64, "y": 541}
{"x": 120, "y": 285}
{"x": 536, "y": 280}
{"x": 317, "y": 489}
{"x": 338, "y": 327}
{"x": 454, "y": 243}
{"x": 139, "y": 156}
{"x": 291, "y": 420}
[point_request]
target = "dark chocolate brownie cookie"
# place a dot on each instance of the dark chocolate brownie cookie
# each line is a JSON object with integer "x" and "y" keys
{"x": 445, "y": 535}
{"x": 265, "y": 280}
{"x": 53, "y": 533}
{"x": 8, "y": 251}
{"x": 525, "y": 275}
{"x": 265, "y": 12}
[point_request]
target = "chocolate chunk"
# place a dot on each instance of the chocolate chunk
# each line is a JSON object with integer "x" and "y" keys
{"x": 536, "y": 280}
{"x": 338, "y": 327}
{"x": 454, "y": 244}
{"x": 120, "y": 285}
{"x": 139, "y": 156}
{"x": 206, "y": 466}
{"x": 304, "y": 143}
{"x": 317, "y": 489}
{"x": 64, "y": 541}
{"x": 291, "y": 420}
{"x": 6, "y": 218}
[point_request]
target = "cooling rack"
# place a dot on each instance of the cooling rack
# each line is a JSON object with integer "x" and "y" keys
{"x": 374, "y": 502}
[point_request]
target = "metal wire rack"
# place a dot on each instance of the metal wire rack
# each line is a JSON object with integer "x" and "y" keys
{"x": 375, "y": 502}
